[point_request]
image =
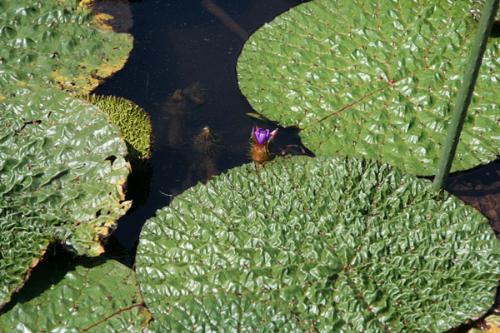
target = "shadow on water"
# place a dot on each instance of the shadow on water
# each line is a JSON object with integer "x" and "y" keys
{"x": 480, "y": 188}
{"x": 182, "y": 71}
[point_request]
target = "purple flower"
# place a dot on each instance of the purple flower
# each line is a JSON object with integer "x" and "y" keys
{"x": 263, "y": 136}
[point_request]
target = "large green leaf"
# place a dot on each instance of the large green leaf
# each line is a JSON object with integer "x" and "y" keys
{"x": 375, "y": 79}
{"x": 80, "y": 298}
{"x": 62, "y": 165}
{"x": 54, "y": 41}
{"x": 62, "y": 168}
{"x": 316, "y": 245}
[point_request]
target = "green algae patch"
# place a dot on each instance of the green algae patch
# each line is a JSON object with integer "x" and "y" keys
{"x": 375, "y": 79}
{"x": 57, "y": 42}
{"x": 134, "y": 123}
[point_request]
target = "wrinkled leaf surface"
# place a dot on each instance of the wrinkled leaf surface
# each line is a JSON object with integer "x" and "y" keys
{"x": 54, "y": 41}
{"x": 62, "y": 169}
{"x": 316, "y": 245}
{"x": 375, "y": 79}
{"x": 86, "y": 298}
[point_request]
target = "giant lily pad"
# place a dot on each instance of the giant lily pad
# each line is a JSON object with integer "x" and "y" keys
{"x": 375, "y": 79}
{"x": 88, "y": 298}
{"x": 316, "y": 245}
{"x": 62, "y": 165}
{"x": 55, "y": 41}
{"x": 62, "y": 168}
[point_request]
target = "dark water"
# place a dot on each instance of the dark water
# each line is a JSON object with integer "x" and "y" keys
{"x": 480, "y": 188}
{"x": 182, "y": 72}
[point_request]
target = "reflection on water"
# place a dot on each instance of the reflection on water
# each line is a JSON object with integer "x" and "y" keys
{"x": 182, "y": 71}
{"x": 178, "y": 112}
{"x": 176, "y": 132}
{"x": 177, "y": 115}
{"x": 224, "y": 18}
{"x": 206, "y": 150}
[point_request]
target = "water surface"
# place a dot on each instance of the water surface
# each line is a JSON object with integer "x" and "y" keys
{"x": 182, "y": 71}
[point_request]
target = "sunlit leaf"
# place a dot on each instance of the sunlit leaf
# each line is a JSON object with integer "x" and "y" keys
{"x": 86, "y": 297}
{"x": 54, "y": 41}
{"x": 62, "y": 169}
{"x": 376, "y": 79}
{"x": 316, "y": 245}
